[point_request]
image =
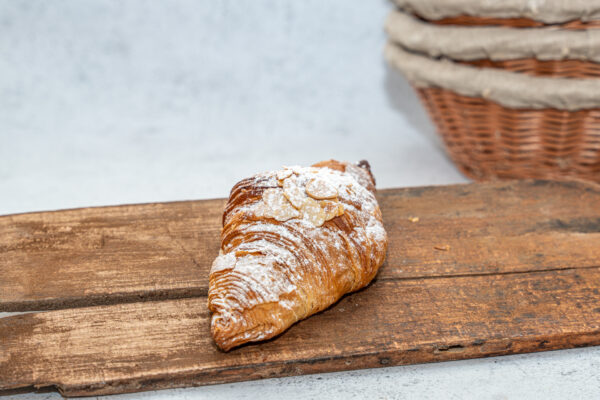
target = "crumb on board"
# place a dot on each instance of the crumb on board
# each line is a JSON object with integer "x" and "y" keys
{"x": 444, "y": 247}
{"x": 413, "y": 219}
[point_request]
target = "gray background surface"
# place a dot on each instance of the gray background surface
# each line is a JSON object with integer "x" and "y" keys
{"x": 111, "y": 102}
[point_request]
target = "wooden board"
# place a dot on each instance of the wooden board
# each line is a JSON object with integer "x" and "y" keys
{"x": 153, "y": 345}
{"x": 521, "y": 274}
{"x": 110, "y": 255}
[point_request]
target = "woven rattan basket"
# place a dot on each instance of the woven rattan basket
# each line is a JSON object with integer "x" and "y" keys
{"x": 490, "y": 140}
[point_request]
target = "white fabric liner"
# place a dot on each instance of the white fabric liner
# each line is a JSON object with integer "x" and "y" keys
{"x": 495, "y": 43}
{"x": 546, "y": 11}
{"x": 509, "y": 89}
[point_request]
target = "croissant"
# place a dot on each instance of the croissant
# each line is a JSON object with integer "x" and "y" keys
{"x": 293, "y": 242}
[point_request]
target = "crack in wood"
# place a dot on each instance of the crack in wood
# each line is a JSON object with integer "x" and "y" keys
{"x": 103, "y": 300}
{"x": 496, "y": 273}
{"x": 201, "y": 291}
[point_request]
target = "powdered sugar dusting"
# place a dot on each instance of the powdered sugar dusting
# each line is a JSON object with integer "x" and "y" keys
{"x": 320, "y": 189}
{"x": 292, "y": 252}
{"x": 222, "y": 262}
{"x": 277, "y": 206}
{"x": 293, "y": 192}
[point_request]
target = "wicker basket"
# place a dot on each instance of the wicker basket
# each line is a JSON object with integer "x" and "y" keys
{"x": 535, "y": 67}
{"x": 488, "y": 140}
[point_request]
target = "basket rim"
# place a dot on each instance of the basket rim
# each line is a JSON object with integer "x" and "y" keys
{"x": 547, "y": 11}
{"x": 468, "y": 43}
{"x": 507, "y": 88}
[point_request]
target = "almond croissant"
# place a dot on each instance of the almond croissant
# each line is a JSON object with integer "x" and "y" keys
{"x": 293, "y": 242}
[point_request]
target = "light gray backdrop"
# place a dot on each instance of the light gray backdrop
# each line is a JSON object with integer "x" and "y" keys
{"x": 109, "y": 102}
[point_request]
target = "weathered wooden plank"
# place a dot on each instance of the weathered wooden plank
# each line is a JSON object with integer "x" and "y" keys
{"x": 118, "y": 254}
{"x": 107, "y": 254}
{"x": 164, "y": 344}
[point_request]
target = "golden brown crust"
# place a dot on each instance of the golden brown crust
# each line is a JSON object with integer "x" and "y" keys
{"x": 293, "y": 242}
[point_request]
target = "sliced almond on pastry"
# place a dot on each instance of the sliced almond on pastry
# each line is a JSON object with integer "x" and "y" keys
{"x": 277, "y": 206}
{"x": 293, "y": 192}
{"x": 320, "y": 189}
{"x": 313, "y": 212}
{"x": 332, "y": 209}
{"x": 284, "y": 173}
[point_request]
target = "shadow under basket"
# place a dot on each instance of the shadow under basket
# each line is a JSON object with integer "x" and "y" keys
{"x": 488, "y": 141}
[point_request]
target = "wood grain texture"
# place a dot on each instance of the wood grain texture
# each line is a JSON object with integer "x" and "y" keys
{"x": 119, "y": 254}
{"x": 165, "y": 344}
{"x": 486, "y": 270}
